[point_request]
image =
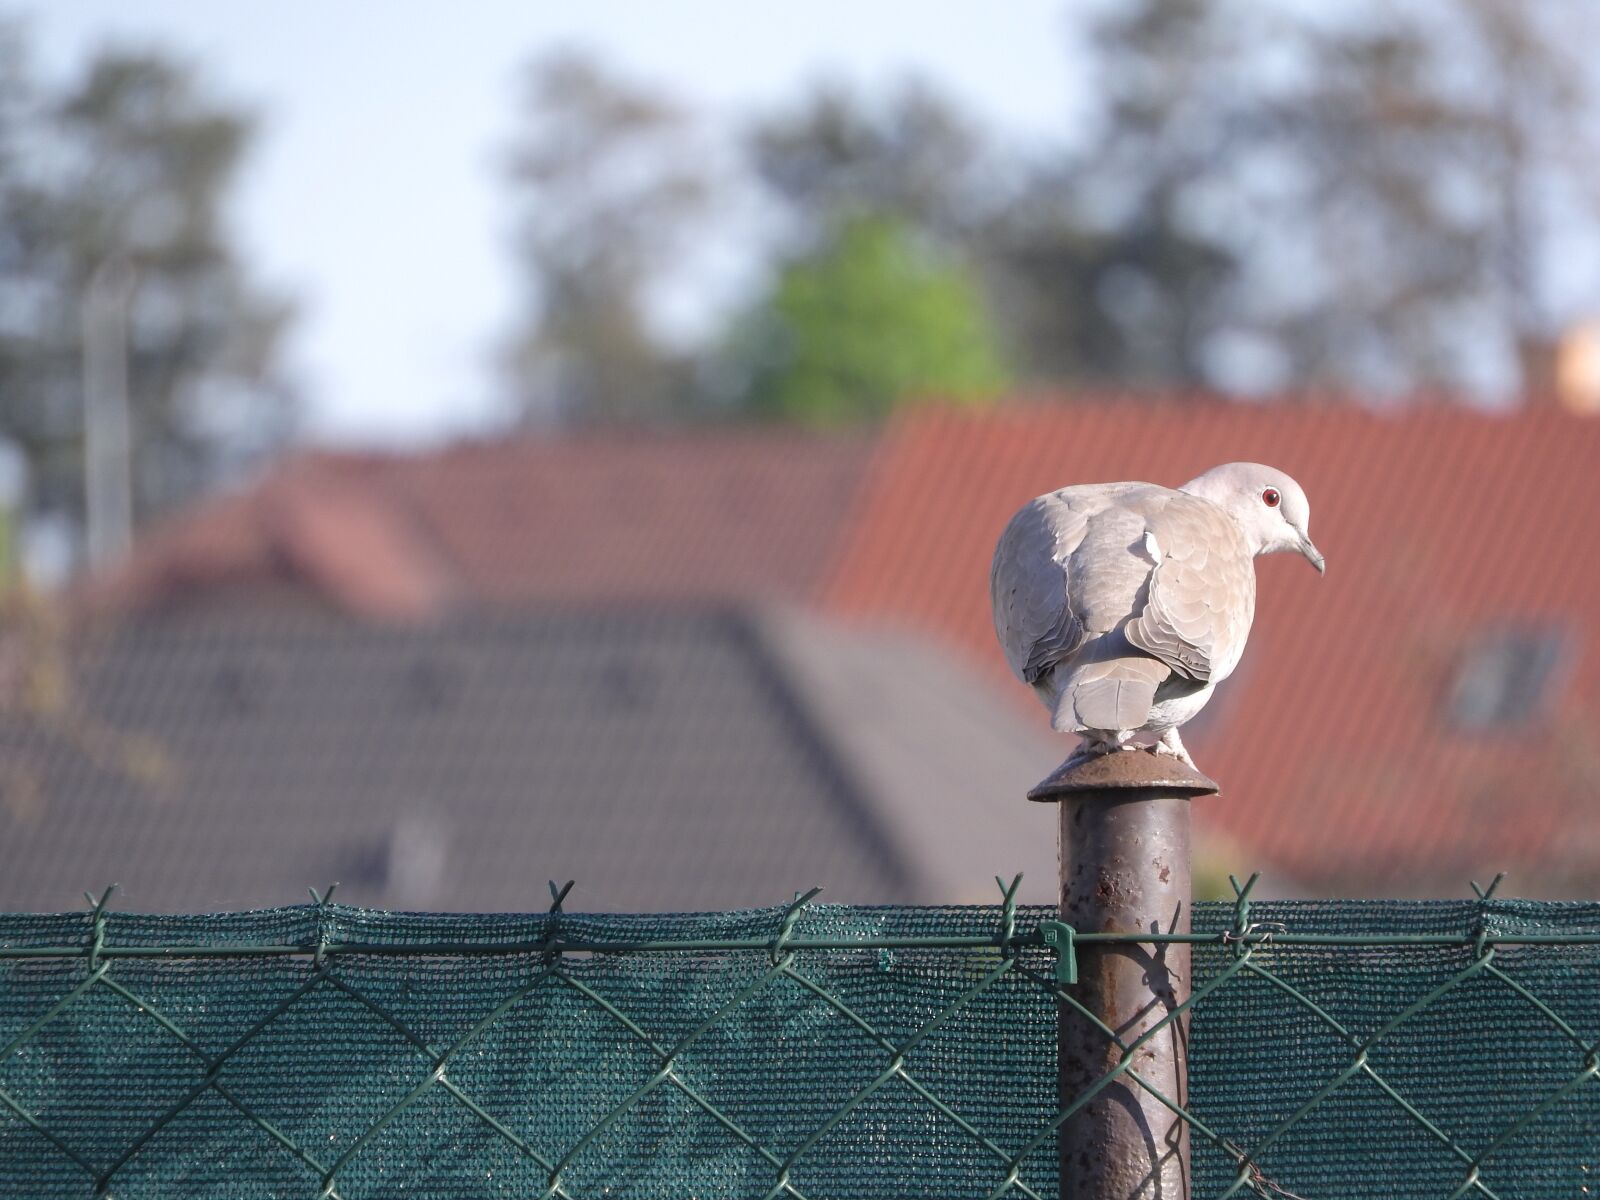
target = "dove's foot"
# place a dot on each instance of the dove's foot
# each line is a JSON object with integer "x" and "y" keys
{"x": 1093, "y": 748}
{"x": 1171, "y": 746}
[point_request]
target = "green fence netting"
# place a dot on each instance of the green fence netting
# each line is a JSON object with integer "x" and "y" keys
{"x": 1344, "y": 1049}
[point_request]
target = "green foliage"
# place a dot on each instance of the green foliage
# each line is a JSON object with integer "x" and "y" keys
{"x": 874, "y": 319}
{"x": 1077, "y": 296}
{"x": 953, "y": 246}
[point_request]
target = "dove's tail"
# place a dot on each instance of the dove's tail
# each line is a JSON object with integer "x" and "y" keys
{"x": 1112, "y": 695}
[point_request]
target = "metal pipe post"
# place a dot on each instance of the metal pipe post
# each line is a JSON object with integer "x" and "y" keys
{"x": 1125, "y": 869}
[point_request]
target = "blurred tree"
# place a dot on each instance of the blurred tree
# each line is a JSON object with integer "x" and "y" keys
{"x": 872, "y": 318}
{"x": 611, "y": 185}
{"x": 1074, "y": 298}
{"x": 126, "y": 172}
{"x": 1090, "y": 302}
{"x": 75, "y": 170}
{"x": 911, "y": 154}
{"x": 1395, "y": 177}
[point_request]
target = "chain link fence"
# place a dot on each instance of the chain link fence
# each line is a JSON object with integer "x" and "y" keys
{"x": 1337, "y": 1049}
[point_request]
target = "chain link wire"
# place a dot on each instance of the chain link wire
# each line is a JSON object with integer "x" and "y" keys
{"x": 1337, "y": 1049}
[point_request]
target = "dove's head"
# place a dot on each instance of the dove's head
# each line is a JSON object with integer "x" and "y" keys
{"x": 1270, "y": 507}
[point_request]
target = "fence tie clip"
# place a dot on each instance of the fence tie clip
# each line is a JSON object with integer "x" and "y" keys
{"x": 1008, "y": 913}
{"x": 1488, "y": 892}
{"x": 1242, "y": 926}
{"x": 1061, "y": 938}
{"x": 558, "y": 895}
{"x": 1259, "y": 932}
{"x": 97, "y": 924}
{"x": 552, "y": 939}
{"x": 790, "y": 916}
{"x": 1483, "y": 929}
{"x": 321, "y": 900}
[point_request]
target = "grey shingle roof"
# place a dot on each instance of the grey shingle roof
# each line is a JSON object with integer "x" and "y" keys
{"x": 660, "y": 758}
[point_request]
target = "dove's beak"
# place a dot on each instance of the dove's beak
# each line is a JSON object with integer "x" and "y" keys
{"x": 1313, "y": 555}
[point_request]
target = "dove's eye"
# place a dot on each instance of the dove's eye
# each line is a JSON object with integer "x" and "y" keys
{"x": 1270, "y": 497}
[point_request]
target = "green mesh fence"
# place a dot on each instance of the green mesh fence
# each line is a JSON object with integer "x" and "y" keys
{"x": 1344, "y": 1049}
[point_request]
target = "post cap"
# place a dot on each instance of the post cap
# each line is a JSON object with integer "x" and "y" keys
{"x": 1127, "y": 770}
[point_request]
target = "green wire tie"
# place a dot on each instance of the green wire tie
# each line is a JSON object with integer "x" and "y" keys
{"x": 97, "y": 924}
{"x": 1008, "y": 913}
{"x": 322, "y": 900}
{"x": 786, "y": 926}
{"x": 552, "y": 937}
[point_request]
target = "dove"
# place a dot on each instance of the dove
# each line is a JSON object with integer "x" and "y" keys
{"x": 1123, "y": 605}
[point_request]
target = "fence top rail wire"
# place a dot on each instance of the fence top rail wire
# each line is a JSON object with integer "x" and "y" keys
{"x": 1030, "y": 939}
{"x": 1004, "y": 937}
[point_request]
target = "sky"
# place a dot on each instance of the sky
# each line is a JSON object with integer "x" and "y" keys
{"x": 373, "y": 193}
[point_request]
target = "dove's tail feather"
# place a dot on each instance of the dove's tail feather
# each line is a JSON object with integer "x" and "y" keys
{"x": 1112, "y": 695}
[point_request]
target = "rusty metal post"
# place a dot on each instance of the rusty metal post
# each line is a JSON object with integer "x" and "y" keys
{"x": 1125, "y": 868}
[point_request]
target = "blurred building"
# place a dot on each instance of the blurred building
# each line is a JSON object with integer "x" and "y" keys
{"x": 720, "y": 517}
{"x": 444, "y": 680}
{"x": 670, "y": 757}
{"x": 704, "y": 670}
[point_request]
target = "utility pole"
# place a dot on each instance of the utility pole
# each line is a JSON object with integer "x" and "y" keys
{"x": 1124, "y": 822}
{"x": 107, "y": 432}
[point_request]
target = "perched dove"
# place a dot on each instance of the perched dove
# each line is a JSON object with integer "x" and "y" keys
{"x": 1124, "y": 604}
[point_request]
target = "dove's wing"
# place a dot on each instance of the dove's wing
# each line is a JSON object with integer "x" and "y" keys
{"x": 1106, "y": 594}
{"x": 1028, "y": 585}
{"x": 1059, "y": 576}
{"x": 1202, "y": 593}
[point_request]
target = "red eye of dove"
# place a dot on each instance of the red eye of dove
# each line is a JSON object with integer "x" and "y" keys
{"x": 1270, "y": 497}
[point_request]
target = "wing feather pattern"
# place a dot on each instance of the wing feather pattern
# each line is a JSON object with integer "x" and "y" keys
{"x": 1028, "y": 584}
{"x": 1062, "y": 573}
{"x": 1202, "y": 594}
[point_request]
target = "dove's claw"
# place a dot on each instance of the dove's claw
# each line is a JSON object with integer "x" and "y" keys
{"x": 1094, "y": 748}
{"x": 1171, "y": 745}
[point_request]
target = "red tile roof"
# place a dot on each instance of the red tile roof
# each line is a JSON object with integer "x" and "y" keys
{"x": 1332, "y": 741}
{"x": 312, "y": 528}
{"x": 724, "y": 515}
{"x": 752, "y": 514}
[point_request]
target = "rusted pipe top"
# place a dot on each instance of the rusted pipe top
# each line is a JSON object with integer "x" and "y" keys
{"x": 1132, "y": 770}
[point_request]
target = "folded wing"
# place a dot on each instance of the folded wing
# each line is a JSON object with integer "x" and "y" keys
{"x": 1202, "y": 592}
{"x": 1063, "y": 573}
